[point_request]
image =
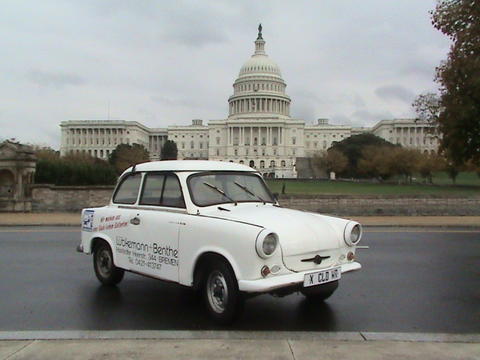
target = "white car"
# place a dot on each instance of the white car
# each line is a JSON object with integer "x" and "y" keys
{"x": 215, "y": 227}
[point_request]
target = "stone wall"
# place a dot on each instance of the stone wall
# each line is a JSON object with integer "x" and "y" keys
{"x": 49, "y": 198}
{"x": 364, "y": 205}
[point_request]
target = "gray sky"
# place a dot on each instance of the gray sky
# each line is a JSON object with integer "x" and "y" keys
{"x": 166, "y": 62}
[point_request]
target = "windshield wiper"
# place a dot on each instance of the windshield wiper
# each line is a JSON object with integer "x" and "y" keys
{"x": 248, "y": 191}
{"x": 221, "y": 192}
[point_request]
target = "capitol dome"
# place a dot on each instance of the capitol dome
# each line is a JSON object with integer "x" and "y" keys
{"x": 260, "y": 64}
{"x": 259, "y": 88}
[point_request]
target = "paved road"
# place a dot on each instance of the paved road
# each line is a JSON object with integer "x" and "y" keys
{"x": 414, "y": 280}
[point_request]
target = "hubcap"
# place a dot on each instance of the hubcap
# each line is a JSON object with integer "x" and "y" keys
{"x": 104, "y": 262}
{"x": 217, "y": 292}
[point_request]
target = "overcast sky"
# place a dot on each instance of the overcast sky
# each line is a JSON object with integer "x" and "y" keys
{"x": 166, "y": 62}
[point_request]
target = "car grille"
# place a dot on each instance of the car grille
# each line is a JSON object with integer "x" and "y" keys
{"x": 295, "y": 262}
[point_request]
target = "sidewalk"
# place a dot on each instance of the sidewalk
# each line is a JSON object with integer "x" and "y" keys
{"x": 236, "y": 345}
{"x": 73, "y": 219}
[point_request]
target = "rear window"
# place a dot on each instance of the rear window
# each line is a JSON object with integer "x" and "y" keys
{"x": 127, "y": 191}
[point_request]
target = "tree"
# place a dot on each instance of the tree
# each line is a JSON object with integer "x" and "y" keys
{"x": 352, "y": 148}
{"x": 73, "y": 169}
{"x": 46, "y": 153}
{"x": 126, "y": 155}
{"x": 405, "y": 162}
{"x": 458, "y": 76}
{"x": 428, "y": 164}
{"x": 332, "y": 160}
{"x": 428, "y": 107}
{"x": 169, "y": 150}
{"x": 376, "y": 162}
{"x": 452, "y": 171}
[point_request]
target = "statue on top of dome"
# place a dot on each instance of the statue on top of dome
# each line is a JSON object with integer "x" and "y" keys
{"x": 259, "y": 32}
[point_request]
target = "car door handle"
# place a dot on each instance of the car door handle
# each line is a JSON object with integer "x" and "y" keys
{"x": 135, "y": 221}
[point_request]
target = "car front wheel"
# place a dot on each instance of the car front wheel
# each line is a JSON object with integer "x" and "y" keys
{"x": 320, "y": 292}
{"x": 105, "y": 270}
{"x": 222, "y": 297}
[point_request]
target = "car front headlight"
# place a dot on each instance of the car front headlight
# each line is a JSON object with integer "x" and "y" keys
{"x": 267, "y": 243}
{"x": 353, "y": 233}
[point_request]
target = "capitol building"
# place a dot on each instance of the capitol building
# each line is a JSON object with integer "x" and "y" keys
{"x": 258, "y": 131}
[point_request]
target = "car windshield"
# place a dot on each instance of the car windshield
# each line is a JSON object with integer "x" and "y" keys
{"x": 219, "y": 188}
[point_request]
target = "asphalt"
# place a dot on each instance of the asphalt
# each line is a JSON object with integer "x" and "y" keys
{"x": 417, "y": 296}
{"x": 413, "y": 280}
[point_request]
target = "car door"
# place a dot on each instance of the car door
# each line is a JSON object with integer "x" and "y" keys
{"x": 161, "y": 209}
{"x": 119, "y": 222}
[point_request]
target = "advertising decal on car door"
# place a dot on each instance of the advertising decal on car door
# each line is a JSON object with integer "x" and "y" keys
{"x": 148, "y": 256}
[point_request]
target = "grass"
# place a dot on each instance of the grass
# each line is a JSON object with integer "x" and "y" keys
{"x": 468, "y": 184}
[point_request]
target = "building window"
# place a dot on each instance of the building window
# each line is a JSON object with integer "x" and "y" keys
{"x": 294, "y": 140}
{"x": 283, "y": 163}
{"x": 251, "y": 164}
{"x": 272, "y": 163}
{"x": 235, "y": 152}
{"x": 218, "y": 140}
{"x": 241, "y": 162}
{"x": 262, "y": 164}
{"x": 191, "y": 145}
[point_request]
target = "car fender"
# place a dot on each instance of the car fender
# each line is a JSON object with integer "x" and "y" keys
{"x": 215, "y": 250}
{"x": 88, "y": 244}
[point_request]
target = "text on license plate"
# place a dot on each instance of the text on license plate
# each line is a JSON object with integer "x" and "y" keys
{"x": 322, "y": 277}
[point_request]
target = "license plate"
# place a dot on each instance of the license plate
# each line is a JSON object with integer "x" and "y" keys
{"x": 322, "y": 277}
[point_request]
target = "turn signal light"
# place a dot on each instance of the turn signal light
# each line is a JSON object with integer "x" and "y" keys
{"x": 265, "y": 271}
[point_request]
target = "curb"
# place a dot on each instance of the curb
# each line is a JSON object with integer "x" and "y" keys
{"x": 236, "y": 335}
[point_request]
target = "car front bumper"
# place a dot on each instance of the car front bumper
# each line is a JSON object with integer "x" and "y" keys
{"x": 280, "y": 281}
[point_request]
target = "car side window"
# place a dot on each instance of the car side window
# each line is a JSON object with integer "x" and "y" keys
{"x": 152, "y": 189}
{"x": 172, "y": 193}
{"x": 127, "y": 191}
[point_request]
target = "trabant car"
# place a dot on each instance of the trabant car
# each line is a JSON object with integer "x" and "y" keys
{"x": 216, "y": 227}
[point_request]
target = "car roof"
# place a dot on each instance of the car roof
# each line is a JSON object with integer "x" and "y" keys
{"x": 190, "y": 165}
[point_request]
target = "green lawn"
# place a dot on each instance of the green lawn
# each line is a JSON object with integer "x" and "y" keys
{"x": 468, "y": 184}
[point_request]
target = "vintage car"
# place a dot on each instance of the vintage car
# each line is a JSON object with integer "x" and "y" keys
{"x": 216, "y": 227}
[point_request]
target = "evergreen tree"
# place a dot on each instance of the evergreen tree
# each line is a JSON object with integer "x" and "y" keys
{"x": 169, "y": 150}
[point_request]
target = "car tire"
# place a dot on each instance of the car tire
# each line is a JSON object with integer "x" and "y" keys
{"x": 222, "y": 298}
{"x": 105, "y": 270}
{"x": 320, "y": 292}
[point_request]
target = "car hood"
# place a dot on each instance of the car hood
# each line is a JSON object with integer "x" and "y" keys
{"x": 299, "y": 232}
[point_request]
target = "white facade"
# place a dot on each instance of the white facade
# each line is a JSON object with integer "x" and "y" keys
{"x": 100, "y": 137}
{"x": 409, "y": 133}
{"x": 258, "y": 131}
